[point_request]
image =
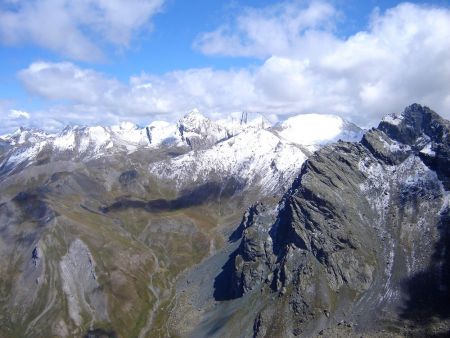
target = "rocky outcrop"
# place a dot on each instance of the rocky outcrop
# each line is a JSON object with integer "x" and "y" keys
{"x": 83, "y": 292}
{"x": 358, "y": 225}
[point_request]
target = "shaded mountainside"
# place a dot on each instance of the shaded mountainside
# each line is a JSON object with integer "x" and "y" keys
{"x": 358, "y": 245}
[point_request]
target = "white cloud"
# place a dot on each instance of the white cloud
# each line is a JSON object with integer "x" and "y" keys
{"x": 282, "y": 29}
{"x": 75, "y": 28}
{"x": 11, "y": 119}
{"x": 18, "y": 114}
{"x": 143, "y": 95}
{"x": 403, "y": 57}
{"x": 65, "y": 81}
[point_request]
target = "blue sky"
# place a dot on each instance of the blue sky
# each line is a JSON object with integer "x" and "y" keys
{"x": 91, "y": 61}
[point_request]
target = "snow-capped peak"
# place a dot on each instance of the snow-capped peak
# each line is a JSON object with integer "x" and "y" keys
{"x": 255, "y": 157}
{"x": 162, "y": 133}
{"x": 24, "y": 135}
{"x": 195, "y": 112}
{"x": 195, "y": 121}
{"x": 241, "y": 145}
{"x": 313, "y": 130}
{"x": 198, "y": 131}
{"x": 236, "y": 122}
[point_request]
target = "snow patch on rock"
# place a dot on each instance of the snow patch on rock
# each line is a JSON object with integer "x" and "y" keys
{"x": 427, "y": 150}
{"x": 393, "y": 119}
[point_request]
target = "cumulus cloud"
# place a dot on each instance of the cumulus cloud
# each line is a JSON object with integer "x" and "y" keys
{"x": 146, "y": 94}
{"x": 403, "y": 57}
{"x": 11, "y": 118}
{"x": 18, "y": 114}
{"x": 66, "y": 81}
{"x": 74, "y": 28}
{"x": 281, "y": 29}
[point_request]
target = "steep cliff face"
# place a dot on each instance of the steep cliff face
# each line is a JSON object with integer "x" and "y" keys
{"x": 360, "y": 238}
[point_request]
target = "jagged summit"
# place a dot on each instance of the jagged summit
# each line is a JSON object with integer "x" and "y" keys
{"x": 414, "y": 122}
{"x": 198, "y": 131}
{"x": 194, "y": 120}
{"x": 238, "y": 121}
{"x": 23, "y": 135}
{"x": 195, "y": 114}
{"x": 420, "y": 131}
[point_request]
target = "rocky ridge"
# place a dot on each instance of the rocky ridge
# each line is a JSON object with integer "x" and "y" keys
{"x": 360, "y": 241}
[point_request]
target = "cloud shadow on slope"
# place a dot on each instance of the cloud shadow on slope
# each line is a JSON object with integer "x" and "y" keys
{"x": 199, "y": 195}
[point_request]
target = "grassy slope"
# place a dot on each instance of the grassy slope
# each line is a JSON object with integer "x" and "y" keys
{"x": 138, "y": 254}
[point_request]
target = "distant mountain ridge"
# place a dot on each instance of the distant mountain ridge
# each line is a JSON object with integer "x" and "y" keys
{"x": 227, "y": 147}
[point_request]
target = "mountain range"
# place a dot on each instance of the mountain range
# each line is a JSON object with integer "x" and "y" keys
{"x": 229, "y": 228}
